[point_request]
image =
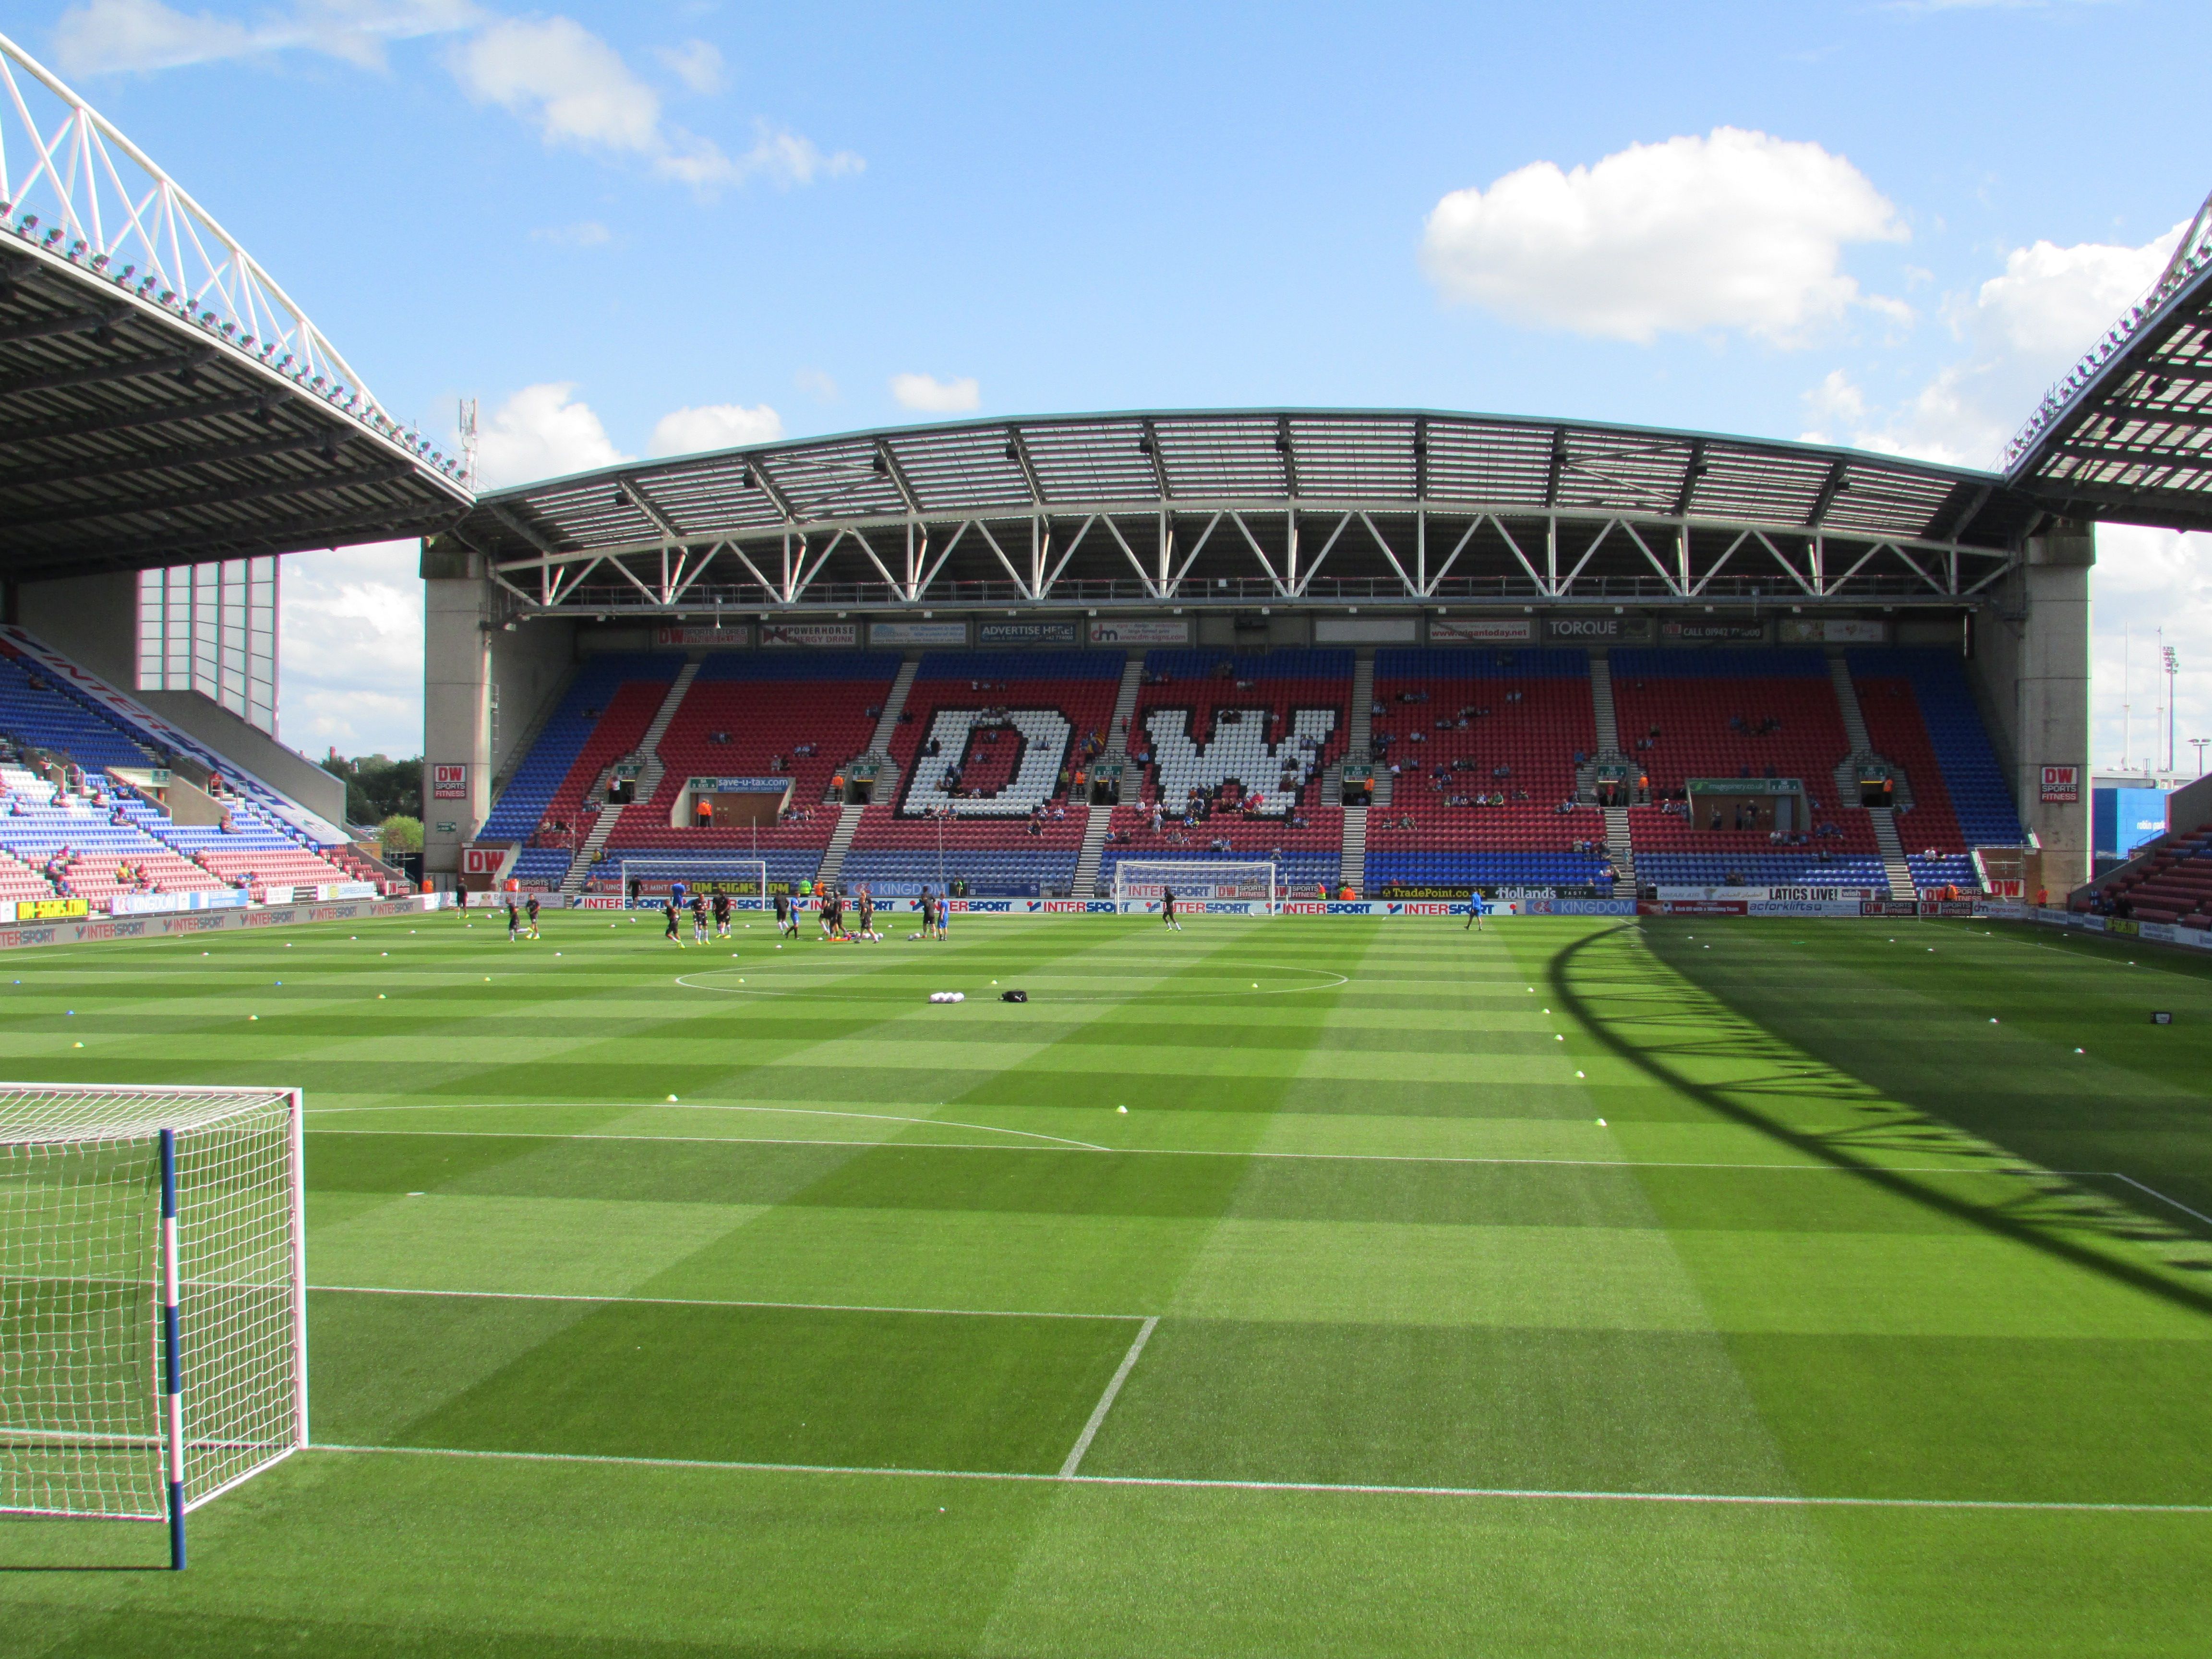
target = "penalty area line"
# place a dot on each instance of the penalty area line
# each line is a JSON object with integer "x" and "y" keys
{"x": 1149, "y": 1319}
{"x": 1106, "y": 1400}
{"x": 1361, "y": 1489}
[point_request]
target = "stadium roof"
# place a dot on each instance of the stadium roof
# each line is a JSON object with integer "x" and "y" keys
{"x": 2127, "y": 433}
{"x": 1297, "y": 505}
{"x": 162, "y": 400}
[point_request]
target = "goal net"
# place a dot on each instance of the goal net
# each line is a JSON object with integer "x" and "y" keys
{"x": 147, "y": 1369}
{"x": 651, "y": 879}
{"x": 1142, "y": 886}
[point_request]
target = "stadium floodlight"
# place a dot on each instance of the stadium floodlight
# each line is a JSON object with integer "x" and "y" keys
{"x": 702, "y": 872}
{"x": 153, "y": 1308}
{"x": 1141, "y": 885}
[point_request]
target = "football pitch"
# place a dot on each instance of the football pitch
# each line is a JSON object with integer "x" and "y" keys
{"x": 1275, "y": 1288}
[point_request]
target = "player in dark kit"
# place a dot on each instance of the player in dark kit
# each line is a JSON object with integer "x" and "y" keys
{"x": 929, "y": 913}
{"x": 786, "y": 922}
{"x": 668, "y": 911}
{"x": 531, "y": 909}
{"x": 863, "y": 902}
{"x": 1167, "y": 907}
{"x": 722, "y": 915}
{"x": 513, "y": 922}
{"x": 698, "y": 919}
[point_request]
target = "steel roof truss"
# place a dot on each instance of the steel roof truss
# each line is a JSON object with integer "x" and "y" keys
{"x": 889, "y": 580}
{"x": 1174, "y": 586}
{"x": 929, "y": 576}
{"x": 1567, "y": 584}
{"x": 645, "y": 504}
{"x": 1714, "y": 569}
{"x": 1306, "y": 581}
{"x": 1837, "y": 587}
{"x": 1673, "y": 583}
{"x": 1044, "y": 589}
{"x": 1258, "y": 553}
{"x": 984, "y": 530}
{"x": 1459, "y": 547}
{"x": 1152, "y": 586}
{"x": 555, "y": 592}
{"x": 1782, "y": 559}
{"x": 738, "y": 553}
{"x": 1993, "y": 575}
{"x": 808, "y": 572}
{"x": 1917, "y": 569}
{"x": 1413, "y": 588}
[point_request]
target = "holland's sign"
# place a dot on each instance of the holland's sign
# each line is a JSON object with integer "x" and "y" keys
{"x": 2062, "y": 783}
{"x": 449, "y": 780}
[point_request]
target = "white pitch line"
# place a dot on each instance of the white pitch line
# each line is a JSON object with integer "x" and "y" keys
{"x": 658, "y": 1106}
{"x": 2173, "y": 1202}
{"x": 1106, "y": 1400}
{"x": 1753, "y": 1500}
{"x": 720, "y": 1302}
{"x": 1178, "y": 1152}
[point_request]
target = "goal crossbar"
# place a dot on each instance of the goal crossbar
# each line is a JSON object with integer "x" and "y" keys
{"x": 1143, "y": 884}
{"x": 153, "y": 1314}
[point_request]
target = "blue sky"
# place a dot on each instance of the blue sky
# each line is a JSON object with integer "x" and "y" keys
{"x": 631, "y": 230}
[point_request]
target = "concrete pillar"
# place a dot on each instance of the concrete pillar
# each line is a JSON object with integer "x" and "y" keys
{"x": 2052, "y": 697}
{"x": 458, "y": 612}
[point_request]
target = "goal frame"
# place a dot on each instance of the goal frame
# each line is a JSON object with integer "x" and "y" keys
{"x": 688, "y": 869}
{"x": 160, "y": 1132}
{"x": 1175, "y": 872}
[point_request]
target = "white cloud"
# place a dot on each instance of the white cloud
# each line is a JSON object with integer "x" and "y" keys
{"x": 558, "y": 77}
{"x": 1836, "y": 402}
{"x": 556, "y": 74}
{"x": 816, "y": 384}
{"x": 1735, "y": 230}
{"x": 696, "y": 63}
{"x": 349, "y": 650}
{"x": 2146, "y": 579}
{"x": 935, "y": 397}
{"x": 99, "y": 37}
{"x": 715, "y": 426}
{"x": 2021, "y": 331}
{"x": 541, "y": 432}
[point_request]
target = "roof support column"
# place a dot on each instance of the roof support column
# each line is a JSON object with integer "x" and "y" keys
{"x": 2049, "y": 688}
{"x": 459, "y": 611}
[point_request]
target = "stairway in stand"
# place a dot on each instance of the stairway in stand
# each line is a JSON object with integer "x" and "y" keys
{"x": 1095, "y": 828}
{"x": 1351, "y": 860}
{"x": 648, "y": 779}
{"x": 1901, "y": 885}
{"x": 1608, "y": 727}
{"x": 887, "y": 772}
{"x": 1618, "y": 849}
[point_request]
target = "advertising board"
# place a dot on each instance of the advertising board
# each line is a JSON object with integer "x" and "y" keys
{"x": 1481, "y": 630}
{"x": 727, "y": 636}
{"x": 1710, "y": 633}
{"x": 2062, "y": 784}
{"x": 1026, "y": 633}
{"x": 52, "y": 909}
{"x": 1833, "y": 631}
{"x": 829, "y": 636}
{"x": 918, "y": 633}
{"x": 449, "y": 780}
{"x": 1606, "y": 630}
{"x": 1140, "y": 630}
{"x": 1366, "y": 630}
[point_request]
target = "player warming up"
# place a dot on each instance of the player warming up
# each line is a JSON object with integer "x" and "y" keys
{"x": 530, "y": 910}
{"x": 1474, "y": 910}
{"x": 668, "y": 911}
{"x": 787, "y": 915}
{"x": 1168, "y": 909}
{"x": 513, "y": 922}
{"x": 722, "y": 915}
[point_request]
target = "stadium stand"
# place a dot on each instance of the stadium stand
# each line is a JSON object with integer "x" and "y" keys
{"x": 1461, "y": 726}
{"x": 800, "y": 713}
{"x": 1982, "y": 811}
{"x": 1738, "y": 713}
{"x": 1227, "y": 727}
{"x": 2174, "y": 886}
{"x": 527, "y": 807}
{"x": 1017, "y": 726}
{"x": 39, "y": 712}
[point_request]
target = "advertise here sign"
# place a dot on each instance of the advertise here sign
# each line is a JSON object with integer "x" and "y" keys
{"x": 449, "y": 780}
{"x": 1481, "y": 630}
{"x": 2062, "y": 784}
{"x": 1026, "y": 633}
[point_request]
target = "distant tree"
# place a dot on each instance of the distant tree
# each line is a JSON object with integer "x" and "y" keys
{"x": 379, "y": 787}
{"x": 402, "y": 835}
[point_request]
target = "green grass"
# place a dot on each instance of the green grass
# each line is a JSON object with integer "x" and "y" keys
{"x": 1678, "y": 1288}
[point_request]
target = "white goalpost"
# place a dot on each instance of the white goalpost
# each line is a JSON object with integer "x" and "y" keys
{"x": 153, "y": 1308}
{"x": 1141, "y": 885}
{"x": 705, "y": 872}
